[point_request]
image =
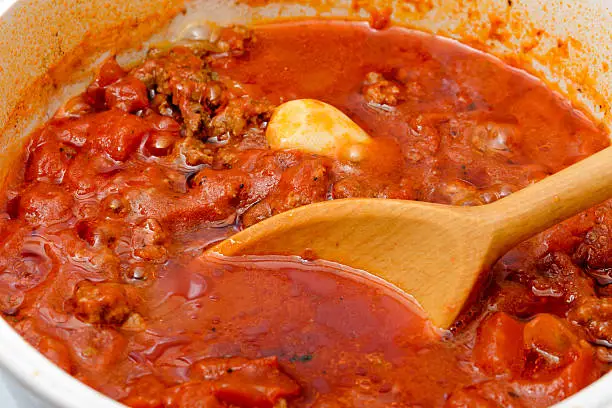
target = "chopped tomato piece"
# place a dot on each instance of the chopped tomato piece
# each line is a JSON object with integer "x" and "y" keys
{"x": 49, "y": 162}
{"x": 97, "y": 348}
{"x": 161, "y": 123}
{"x": 83, "y": 174}
{"x": 499, "y": 345}
{"x": 246, "y": 383}
{"x": 56, "y": 351}
{"x": 145, "y": 392}
{"x": 117, "y": 133}
{"x": 161, "y": 143}
{"x": 46, "y": 206}
{"x": 558, "y": 364}
{"x": 195, "y": 394}
{"x": 69, "y": 131}
{"x": 258, "y": 383}
{"x": 550, "y": 339}
{"x": 571, "y": 379}
{"x": 110, "y": 71}
{"x": 128, "y": 94}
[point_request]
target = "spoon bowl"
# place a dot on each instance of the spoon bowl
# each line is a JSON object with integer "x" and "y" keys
{"x": 434, "y": 261}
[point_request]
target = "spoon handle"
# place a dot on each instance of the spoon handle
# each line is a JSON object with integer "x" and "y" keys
{"x": 554, "y": 199}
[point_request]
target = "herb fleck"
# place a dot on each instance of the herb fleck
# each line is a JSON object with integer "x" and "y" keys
{"x": 303, "y": 358}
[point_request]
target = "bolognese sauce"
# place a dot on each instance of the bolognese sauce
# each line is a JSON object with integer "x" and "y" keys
{"x": 101, "y": 265}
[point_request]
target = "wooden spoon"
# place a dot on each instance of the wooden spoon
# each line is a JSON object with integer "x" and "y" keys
{"x": 437, "y": 253}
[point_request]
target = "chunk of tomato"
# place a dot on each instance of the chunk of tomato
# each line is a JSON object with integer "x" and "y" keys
{"x": 109, "y": 72}
{"x": 193, "y": 394}
{"x": 128, "y": 94}
{"x": 499, "y": 345}
{"x": 257, "y": 384}
{"x": 117, "y": 133}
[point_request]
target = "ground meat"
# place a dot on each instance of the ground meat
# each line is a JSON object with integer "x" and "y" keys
{"x": 221, "y": 42}
{"x": 105, "y": 303}
{"x": 225, "y": 158}
{"x": 233, "y": 39}
{"x": 257, "y": 213}
{"x": 207, "y": 107}
{"x": 595, "y": 252}
{"x": 303, "y": 184}
{"x": 149, "y": 240}
{"x": 378, "y": 90}
{"x": 237, "y": 116}
{"x": 225, "y": 189}
{"x": 353, "y": 187}
{"x": 184, "y": 79}
{"x": 195, "y": 152}
{"x": 374, "y": 178}
{"x": 559, "y": 277}
{"x": 458, "y": 192}
{"x": 595, "y": 315}
{"x": 360, "y": 186}
{"x": 422, "y": 141}
{"x": 551, "y": 278}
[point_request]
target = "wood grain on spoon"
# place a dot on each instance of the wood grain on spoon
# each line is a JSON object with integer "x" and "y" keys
{"x": 434, "y": 252}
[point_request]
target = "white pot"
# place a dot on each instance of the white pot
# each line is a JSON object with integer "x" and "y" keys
{"x": 566, "y": 42}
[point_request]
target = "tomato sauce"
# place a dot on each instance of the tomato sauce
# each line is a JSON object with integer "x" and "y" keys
{"x": 102, "y": 237}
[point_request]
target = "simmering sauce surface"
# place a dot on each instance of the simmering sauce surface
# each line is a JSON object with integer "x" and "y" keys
{"x": 101, "y": 240}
